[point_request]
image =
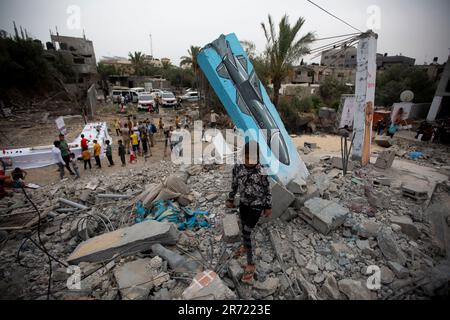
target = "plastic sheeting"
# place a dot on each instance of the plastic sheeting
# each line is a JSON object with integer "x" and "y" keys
{"x": 38, "y": 157}
{"x": 167, "y": 210}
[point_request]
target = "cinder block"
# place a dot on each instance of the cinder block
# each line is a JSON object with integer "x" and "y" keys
{"x": 385, "y": 160}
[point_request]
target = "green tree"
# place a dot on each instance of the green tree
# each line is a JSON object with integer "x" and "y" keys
{"x": 283, "y": 49}
{"x": 331, "y": 90}
{"x": 191, "y": 59}
{"x": 137, "y": 60}
{"x": 396, "y": 79}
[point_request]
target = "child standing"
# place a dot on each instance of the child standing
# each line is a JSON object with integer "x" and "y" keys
{"x": 255, "y": 200}
{"x": 97, "y": 149}
{"x": 86, "y": 158}
{"x": 122, "y": 152}
{"x": 74, "y": 164}
{"x": 117, "y": 127}
{"x": 134, "y": 142}
{"x": 109, "y": 153}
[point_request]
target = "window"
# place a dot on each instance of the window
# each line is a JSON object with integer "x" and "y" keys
{"x": 78, "y": 60}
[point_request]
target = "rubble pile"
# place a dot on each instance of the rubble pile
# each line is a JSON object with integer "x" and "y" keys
{"x": 336, "y": 233}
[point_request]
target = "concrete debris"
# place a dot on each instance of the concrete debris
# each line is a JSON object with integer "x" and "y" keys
{"x": 385, "y": 160}
{"x": 330, "y": 287}
{"x": 324, "y": 215}
{"x": 136, "y": 278}
{"x": 125, "y": 241}
{"x": 297, "y": 186}
{"x": 407, "y": 226}
{"x": 336, "y": 162}
{"x": 269, "y": 286}
{"x": 417, "y": 191}
{"x": 208, "y": 286}
{"x": 400, "y": 271}
{"x": 312, "y": 192}
{"x": 387, "y": 276}
{"x": 383, "y": 141}
{"x": 389, "y": 247}
{"x": 282, "y": 198}
{"x": 354, "y": 290}
{"x": 176, "y": 261}
{"x": 231, "y": 230}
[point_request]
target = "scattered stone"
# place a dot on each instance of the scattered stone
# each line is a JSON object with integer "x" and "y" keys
{"x": 301, "y": 261}
{"x": 311, "y": 267}
{"x": 354, "y": 290}
{"x": 324, "y": 215}
{"x": 319, "y": 278}
{"x": 367, "y": 229}
{"x": 235, "y": 269}
{"x": 269, "y": 286}
{"x": 363, "y": 244}
{"x": 387, "y": 276}
{"x": 383, "y": 141}
{"x": 231, "y": 228}
{"x": 126, "y": 241}
{"x": 339, "y": 249}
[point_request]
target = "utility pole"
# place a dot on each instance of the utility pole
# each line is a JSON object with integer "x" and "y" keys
{"x": 151, "y": 45}
{"x": 366, "y": 74}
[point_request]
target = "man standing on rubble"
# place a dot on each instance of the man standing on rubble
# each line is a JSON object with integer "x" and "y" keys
{"x": 255, "y": 200}
{"x": 56, "y": 153}
{"x": 65, "y": 152}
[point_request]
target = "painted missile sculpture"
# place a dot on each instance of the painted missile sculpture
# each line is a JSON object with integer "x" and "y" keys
{"x": 233, "y": 78}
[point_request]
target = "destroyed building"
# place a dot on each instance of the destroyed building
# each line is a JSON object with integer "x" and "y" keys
{"x": 79, "y": 54}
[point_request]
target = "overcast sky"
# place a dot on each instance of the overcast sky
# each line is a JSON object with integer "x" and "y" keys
{"x": 416, "y": 28}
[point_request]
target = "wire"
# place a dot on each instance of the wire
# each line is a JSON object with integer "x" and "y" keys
{"x": 334, "y": 37}
{"x": 333, "y": 15}
{"x": 332, "y": 45}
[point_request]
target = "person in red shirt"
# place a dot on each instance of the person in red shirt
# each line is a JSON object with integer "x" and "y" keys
{"x": 84, "y": 142}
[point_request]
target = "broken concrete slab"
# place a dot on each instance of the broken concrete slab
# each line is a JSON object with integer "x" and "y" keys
{"x": 231, "y": 228}
{"x": 336, "y": 162}
{"x": 385, "y": 160}
{"x": 297, "y": 186}
{"x": 323, "y": 215}
{"x": 282, "y": 198}
{"x": 354, "y": 290}
{"x": 125, "y": 241}
{"x": 389, "y": 247}
{"x": 208, "y": 286}
{"x": 407, "y": 226}
{"x": 135, "y": 279}
{"x": 176, "y": 261}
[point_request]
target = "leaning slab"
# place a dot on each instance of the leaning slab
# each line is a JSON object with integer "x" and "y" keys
{"x": 125, "y": 241}
{"x": 282, "y": 198}
{"x": 323, "y": 215}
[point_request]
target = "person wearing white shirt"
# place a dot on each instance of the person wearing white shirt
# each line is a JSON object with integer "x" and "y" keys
{"x": 213, "y": 119}
{"x": 56, "y": 152}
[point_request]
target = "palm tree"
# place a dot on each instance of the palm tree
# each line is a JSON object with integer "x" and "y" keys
{"x": 191, "y": 59}
{"x": 137, "y": 60}
{"x": 283, "y": 50}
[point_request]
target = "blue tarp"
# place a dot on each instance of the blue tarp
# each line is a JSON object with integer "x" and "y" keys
{"x": 166, "y": 210}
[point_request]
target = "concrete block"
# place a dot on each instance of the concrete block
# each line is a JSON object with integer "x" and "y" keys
{"x": 231, "y": 228}
{"x": 417, "y": 191}
{"x": 323, "y": 215}
{"x": 312, "y": 192}
{"x": 385, "y": 160}
{"x": 297, "y": 186}
{"x": 208, "y": 286}
{"x": 289, "y": 214}
{"x": 336, "y": 162}
{"x": 125, "y": 241}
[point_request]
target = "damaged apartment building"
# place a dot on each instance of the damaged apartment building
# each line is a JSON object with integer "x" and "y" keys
{"x": 79, "y": 54}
